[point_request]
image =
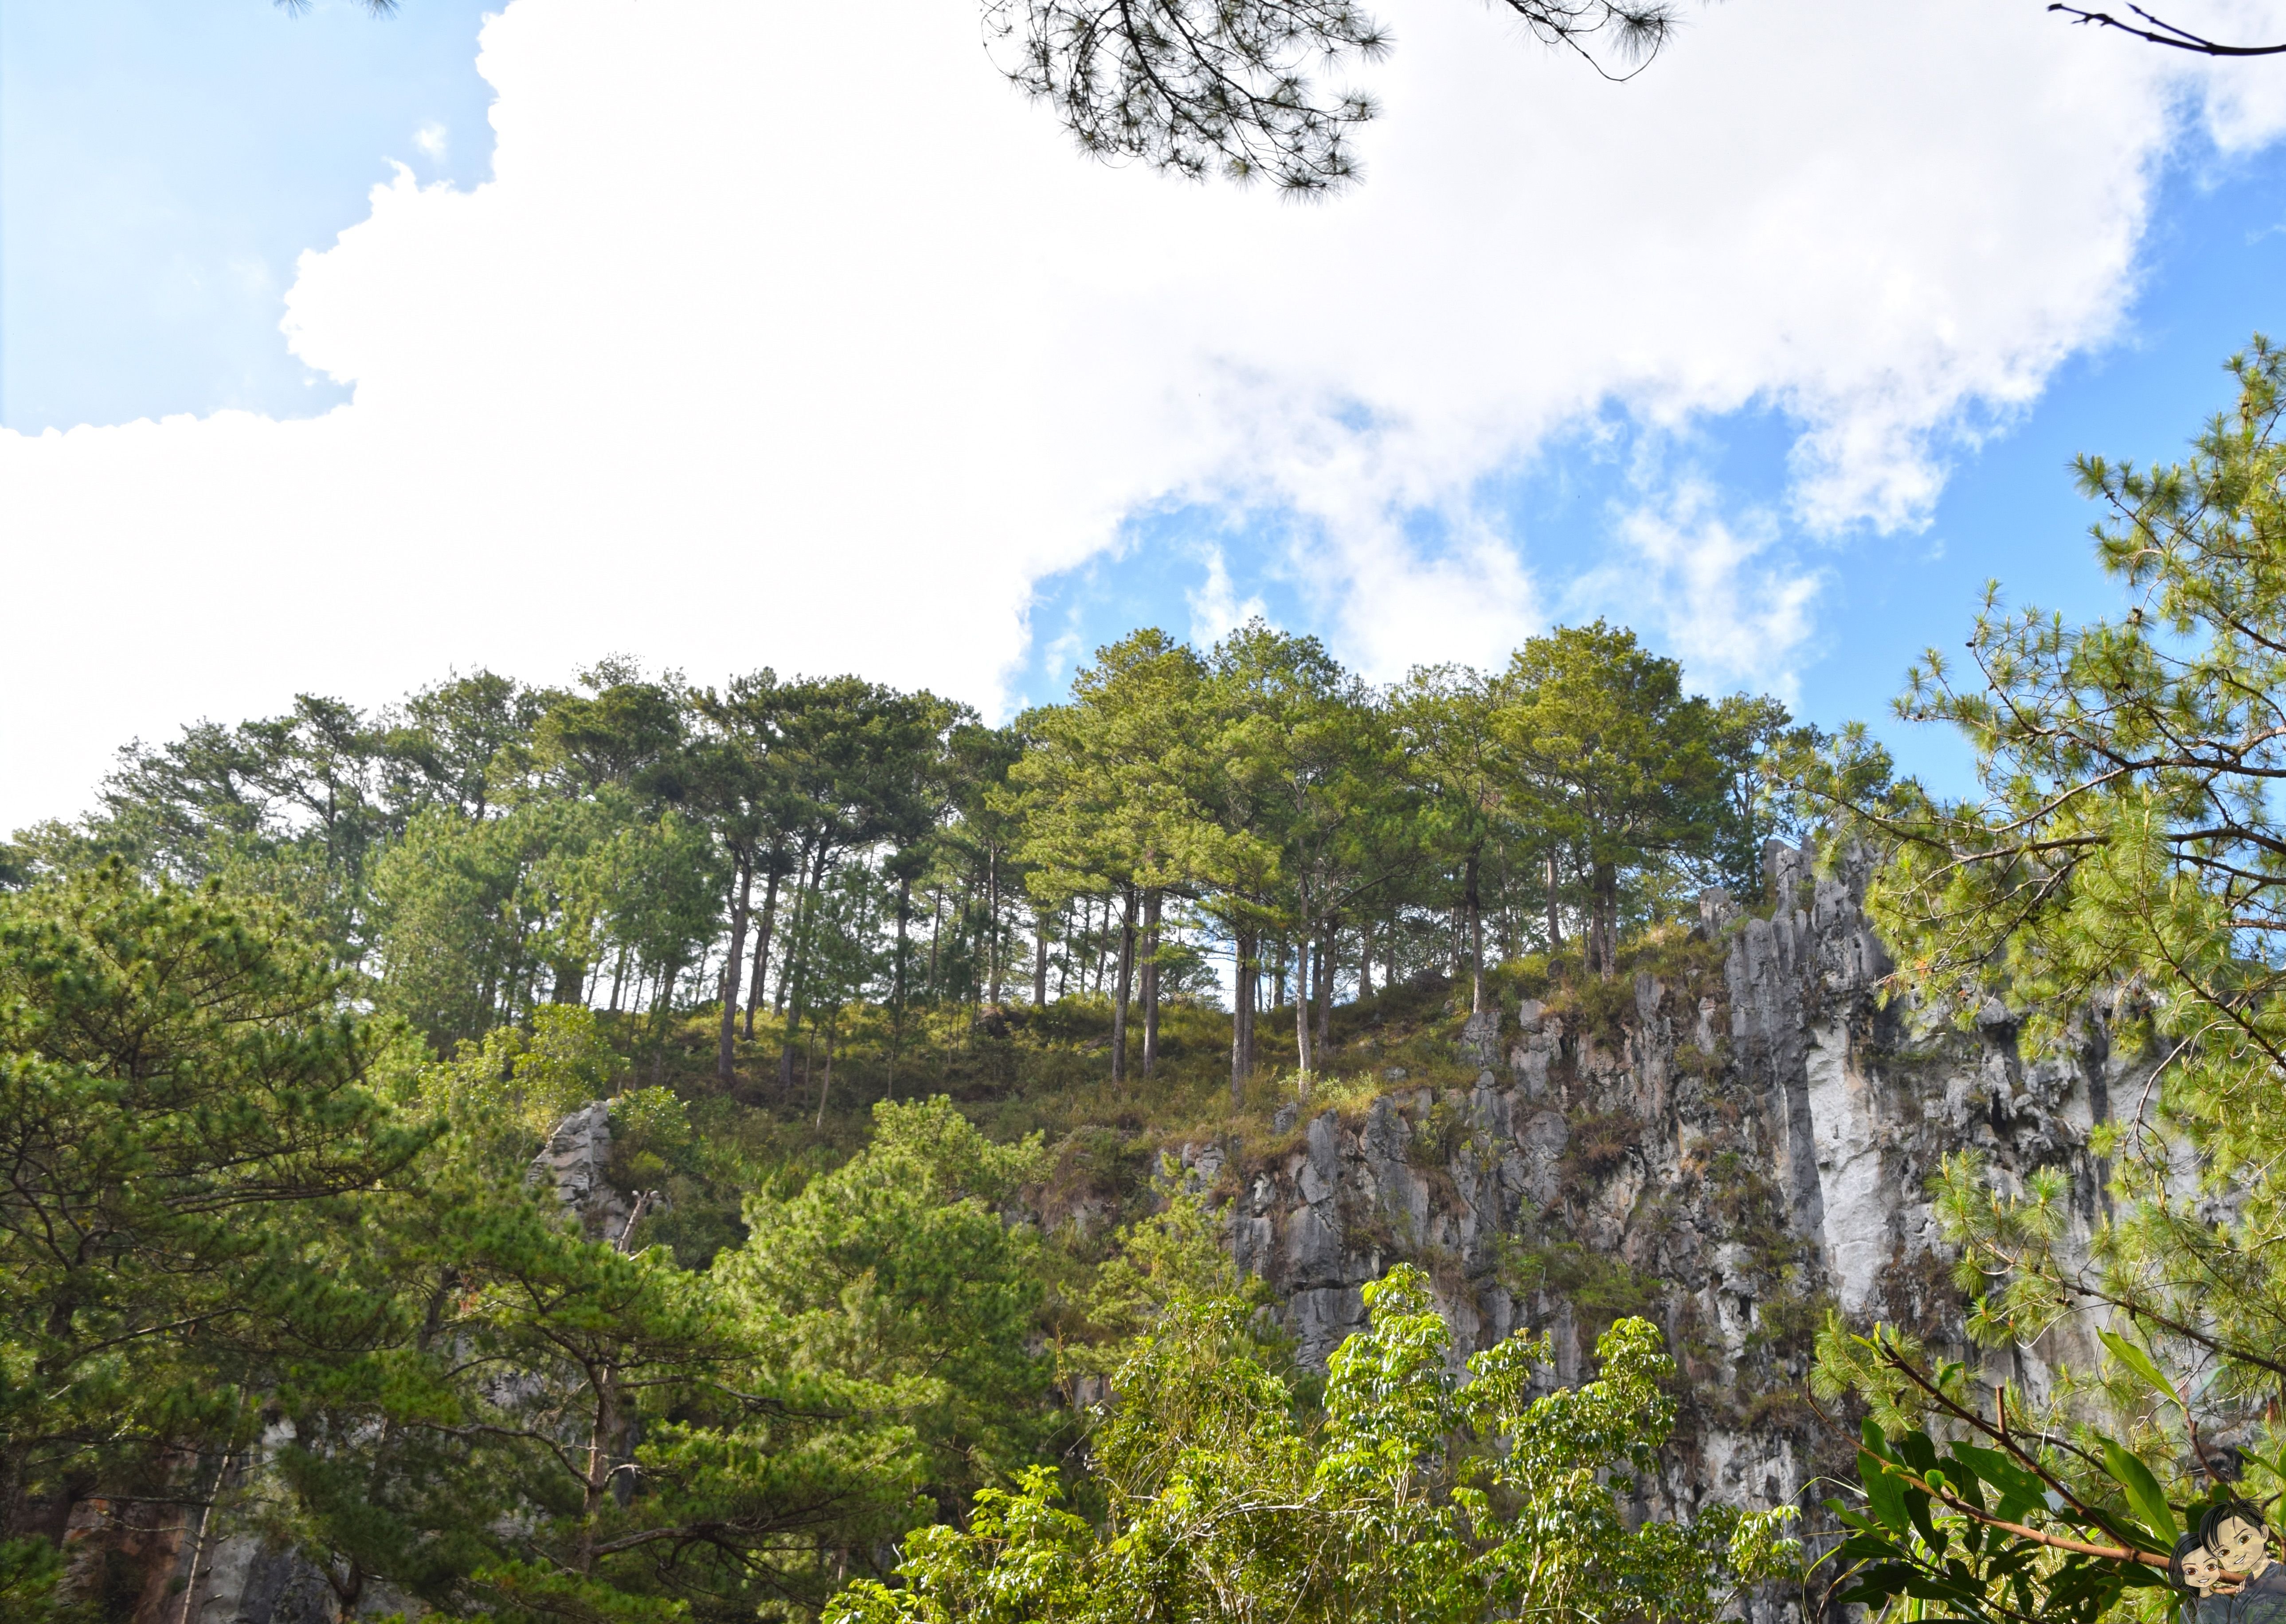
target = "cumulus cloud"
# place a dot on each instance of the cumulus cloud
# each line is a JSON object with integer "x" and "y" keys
{"x": 1215, "y": 607}
{"x": 1721, "y": 590}
{"x": 786, "y": 332}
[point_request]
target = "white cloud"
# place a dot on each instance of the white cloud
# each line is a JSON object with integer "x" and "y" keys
{"x": 1720, "y": 594}
{"x": 433, "y": 140}
{"x": 1215, "y": 607}
{"x": 788, "y": 333}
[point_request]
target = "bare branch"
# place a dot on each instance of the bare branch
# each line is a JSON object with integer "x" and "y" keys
{"x": 2164, "y": 33}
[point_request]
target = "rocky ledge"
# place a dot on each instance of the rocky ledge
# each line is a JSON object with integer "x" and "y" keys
{"x": 1729, "y": 1146}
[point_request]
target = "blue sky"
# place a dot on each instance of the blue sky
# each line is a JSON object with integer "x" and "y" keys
{"x": 2213, "y": 273}
{"x": 920, "y": 419}
{"x": 163, "y": 165}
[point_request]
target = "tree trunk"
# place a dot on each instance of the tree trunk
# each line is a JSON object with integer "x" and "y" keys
{"x": 1326, "y": 991}
{"x": 1472, "y": 900}
{"x": 1555, "y": 925}
{"x": 1151, "y": 981}
{"x": 1605, "y": 923}
{"x": 662, "y": 1005}
{"x": 1241, "y": 1014}
{"x": 963, "y": 917}
{"x": 570, "y": 982}
{"x": 1039, "y": 960}
{"x": 1064, "y": 964}
{"x": 1365, "y": 958}
{"x": 726, "y": 1049}
{"x": 619, "y": 979}
{"x": 596, "y": 1482}
{"x": 1302, "y": 939}
{"x": 897, "y": 1023}
{"x": 800, "y": 911}
{"x": 762, "y": 946}
{"x": 1126, "y": 983}
{"x": 992, "y": 926}
{"x": 790, "y": 979}
{"x": 826, "y": 1086}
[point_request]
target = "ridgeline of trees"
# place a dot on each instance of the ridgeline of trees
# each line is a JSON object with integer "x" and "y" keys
{"x": 283, "y": 1023}
{"x": 1253, "y": 818}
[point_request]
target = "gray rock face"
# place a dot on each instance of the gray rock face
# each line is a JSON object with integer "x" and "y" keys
{"x": 575, "y": 1160}
{"x": 241, "y": 1580}
{"x": 1747, "y": 1142}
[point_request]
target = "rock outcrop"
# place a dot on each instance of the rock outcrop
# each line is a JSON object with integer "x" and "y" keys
{"x": 577, "y": 1161}
{"x": 242, "y": 1578}
{"x": 1730, "y": 1146}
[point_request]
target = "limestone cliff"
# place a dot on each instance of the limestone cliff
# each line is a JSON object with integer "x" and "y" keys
{"x": 1728, "y": 1146}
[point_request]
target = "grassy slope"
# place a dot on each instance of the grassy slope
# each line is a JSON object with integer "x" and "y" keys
{"x": 1018, "y": 1070}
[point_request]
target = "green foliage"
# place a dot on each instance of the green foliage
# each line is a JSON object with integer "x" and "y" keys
{"x": 526, "y": 1083}
{"x": 898, "y": 1267}
{"x": 1175, "y": 1255}
{"x": 1619, "y": 765}
{"x": 1421, "y": 1495}
{"x": 1021, "y": 1558}
{"x": 2116, "y": 881}
{"x": 1999, "y": 1532}
{"x": 270, "y": 1253}
{"x": 186, "y": 1123}
{"x": 29, "y": 1569}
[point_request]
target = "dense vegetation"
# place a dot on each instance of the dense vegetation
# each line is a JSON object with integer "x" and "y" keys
{"x": 283, "y": 1023}
{"x": 795, "y": 852}
{"x": 273, "y": 1269}
{"x": 289, "y": 1015}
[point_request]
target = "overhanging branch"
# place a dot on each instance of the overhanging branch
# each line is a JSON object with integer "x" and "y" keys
{"x": 2160, "y": 32}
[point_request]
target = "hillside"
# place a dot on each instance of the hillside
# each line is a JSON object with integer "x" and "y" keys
{"x": 1730, "y": 1136}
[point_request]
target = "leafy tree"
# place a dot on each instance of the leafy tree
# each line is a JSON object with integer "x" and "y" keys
{"x": 1616, "y": 761}
{"x": 623, "y": 731}
{"x": 1768, "y": 761}
{"x": 288, "y": 806}
{"x": 2001, "y": 1525}
{"x": 1449, "y": 720}
{"x": 1327, "y": 750}
{"x": 465, "y": 742}
{"x": 501, "y": 1418}
{"x": 454, "y": 948}
{"x": 741, "y": 790}
{"x": 982, "y": 835}
{"x": 531, "y": 1081}
{"x": 1304, "y": 764}
{"x": 537, "y": 1426}
{"x": 1109, "y": 797}
{"x": 845, "y": 959}
{"x": 1424, "y": 1495}
{"x": 899, "y": 1269}
{"x": 186, "y": 1121}
{"x": 863, "y": 764}
{"x": 2118, "y": 878}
